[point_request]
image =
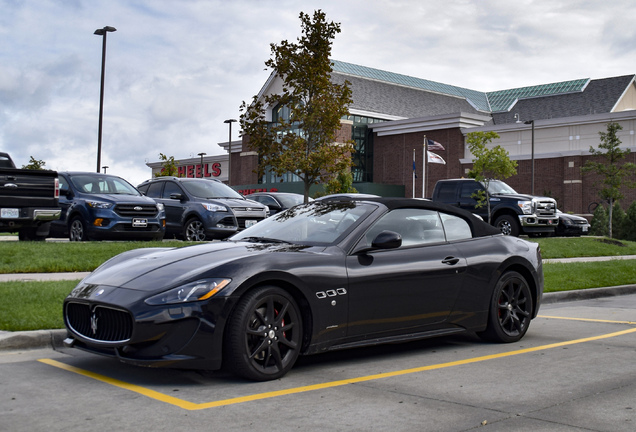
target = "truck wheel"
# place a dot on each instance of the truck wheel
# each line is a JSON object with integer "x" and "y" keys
{"x": 507, "y": 225}
{"x": 77, "y": 230}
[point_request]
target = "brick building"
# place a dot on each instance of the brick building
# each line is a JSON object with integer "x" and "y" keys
{"x": 549, "y": 127}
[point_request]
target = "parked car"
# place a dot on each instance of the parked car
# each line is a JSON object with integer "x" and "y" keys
{"x": 571, "y": 225}
{"x": 105, "y": 207}
{"x": 317, "y": 277}
{"x": 277, "y": 201}
{"x": 201, "y": 209}
{"x": 28, "y": 200}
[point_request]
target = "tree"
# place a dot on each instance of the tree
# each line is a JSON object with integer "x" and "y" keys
{"x": 302, "y": 138}
{"x": 341, "y": 183}
{"x": 168, "y": 167}
{"x": 630, "y": 223}
{"x": 614, "y": 175}
{"x": 34, "y": 164}
{"x": 598, "y": 226}
{"x": 488, "y": 163}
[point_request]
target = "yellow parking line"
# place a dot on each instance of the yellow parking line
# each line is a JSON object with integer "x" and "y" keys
{"x": 588, "y": 320}
{"x": 194, "y": 406}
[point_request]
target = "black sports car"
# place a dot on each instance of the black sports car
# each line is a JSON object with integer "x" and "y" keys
{"x": 317, "y": 277}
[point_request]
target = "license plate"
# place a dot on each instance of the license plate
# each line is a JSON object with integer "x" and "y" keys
{"x": 584, "y": 229}
{"x": 140, "y": 223}
{"x": 249, "y": 223}
{"x": 10, "y": 213}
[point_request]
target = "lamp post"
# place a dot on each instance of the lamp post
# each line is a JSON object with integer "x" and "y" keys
{"x": 531, "y": 122}
{"x": 102, "y": 32}
{"x": 201, "y": 154}
{"x": 229, "y": 159}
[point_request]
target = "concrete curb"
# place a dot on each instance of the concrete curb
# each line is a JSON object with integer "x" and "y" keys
{"x": 13, "y": 341}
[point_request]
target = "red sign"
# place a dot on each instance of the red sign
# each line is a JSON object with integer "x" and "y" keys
{"x": 251, "y": 191}
{"x": 194, "y": 171}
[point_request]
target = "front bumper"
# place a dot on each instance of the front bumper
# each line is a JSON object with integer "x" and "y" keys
{"x": 533, "y": 223}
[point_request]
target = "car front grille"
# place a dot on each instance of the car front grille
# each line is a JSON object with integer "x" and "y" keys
{"x": 241, "y": 221}
{"x": 100, "y": 323}
{"x": 136, "y": 210}
{"x": 546, "y": 208}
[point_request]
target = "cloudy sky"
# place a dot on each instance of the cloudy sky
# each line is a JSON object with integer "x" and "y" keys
{"x": 176, "y": 69}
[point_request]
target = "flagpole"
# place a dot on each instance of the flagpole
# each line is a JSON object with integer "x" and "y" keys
{"x": 413, "y": 173}
{"x": 424, "y": 166}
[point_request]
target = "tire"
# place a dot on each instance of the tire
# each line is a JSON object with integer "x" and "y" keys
{"x": 264, "y": 335}
{"x": 77, "y": 230}
{"x": 507, "y": 225}
{"x": 510, "y": 309}
{"x": 194, "y": 230}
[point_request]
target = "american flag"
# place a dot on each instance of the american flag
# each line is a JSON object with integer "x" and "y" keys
{"x": 434, "y": 145}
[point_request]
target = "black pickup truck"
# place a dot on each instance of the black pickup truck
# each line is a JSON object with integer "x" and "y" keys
{"x": 28, "y": 200}
{"x": 513, "y": 213}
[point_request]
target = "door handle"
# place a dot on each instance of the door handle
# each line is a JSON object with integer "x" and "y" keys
{"x": 450, "y": 260}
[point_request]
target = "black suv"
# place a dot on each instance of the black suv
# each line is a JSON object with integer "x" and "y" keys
{"x": 201, "y": 209}
{"x": 102, "y": 206}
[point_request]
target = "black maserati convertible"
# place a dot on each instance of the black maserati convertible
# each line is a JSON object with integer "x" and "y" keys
{"x": 322, "y": 276}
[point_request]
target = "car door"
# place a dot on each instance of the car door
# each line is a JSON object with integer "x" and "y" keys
{"x": 411, "y": 287}
{"x": 174, "y": 207}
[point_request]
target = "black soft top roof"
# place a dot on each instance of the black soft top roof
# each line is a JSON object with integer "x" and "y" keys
{"x": 478, "y": 226}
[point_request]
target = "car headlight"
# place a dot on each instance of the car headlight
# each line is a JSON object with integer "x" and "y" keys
{"x": 160, "y": 207}
{"x": 190, "y": 292}
{"x": 525, "y": 206}
{"x": 214, "y": 207}
{"x": 99, "y": 204}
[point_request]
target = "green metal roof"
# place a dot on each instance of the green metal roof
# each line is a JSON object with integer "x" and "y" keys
{"x": 476, "y": 98}
{"x": 497, "y": 101}
{"x": 503, "y": 100}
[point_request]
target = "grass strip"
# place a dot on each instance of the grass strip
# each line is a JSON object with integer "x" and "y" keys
{"x": 572, "y": 247}
{"x": 600, "y": 274}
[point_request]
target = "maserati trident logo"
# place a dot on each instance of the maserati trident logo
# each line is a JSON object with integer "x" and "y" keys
{"x": 94, "y": 323}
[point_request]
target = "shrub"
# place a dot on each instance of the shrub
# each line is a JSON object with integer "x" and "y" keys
{"x": 599, "y": 222}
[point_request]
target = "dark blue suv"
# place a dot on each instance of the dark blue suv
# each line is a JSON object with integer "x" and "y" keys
{"x": 102, "y": 206}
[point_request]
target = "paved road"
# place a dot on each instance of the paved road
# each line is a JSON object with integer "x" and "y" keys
{"x": 574, "y": 371}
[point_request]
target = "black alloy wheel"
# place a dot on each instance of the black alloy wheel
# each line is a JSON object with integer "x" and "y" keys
{"x": 77, "y": 230}
{"x": 510, "y": 309}
{"x": 264, "y": 334}
{"x": 194, "y": 230}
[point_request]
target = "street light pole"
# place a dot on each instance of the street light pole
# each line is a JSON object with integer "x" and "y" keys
{"x": 229, "y": 159}
{"x": 201, "y": 154}
{"x": 105, "y": 167}
{"x": 531, "y": 122}
{"x": 102, "y": 32}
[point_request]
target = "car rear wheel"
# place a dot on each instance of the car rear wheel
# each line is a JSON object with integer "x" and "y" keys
{"x": 194, "y": 230}
{"x": 510, "y": 309}
{"x": 77, "y": 230}
{"x": 264, "y": 334}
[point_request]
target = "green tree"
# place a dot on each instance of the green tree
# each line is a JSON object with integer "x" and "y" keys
{"x": 630, "y": 223}
{"x": 618, "y": 221}
{"x": 599, "y": 225}
{"x": 34, "y": 164}
{"x": 341, "y": 183}
{"x": 169, "y": 168}
{"x": 303, "y": 139}
{"x": 488, "y": 163}
{"x": 612, "y": 172}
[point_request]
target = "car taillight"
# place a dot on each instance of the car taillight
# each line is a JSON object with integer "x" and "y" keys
{"x": 56, "y": 194}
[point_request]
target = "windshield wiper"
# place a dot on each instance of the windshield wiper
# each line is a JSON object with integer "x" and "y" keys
{"x": 262, "y": 240}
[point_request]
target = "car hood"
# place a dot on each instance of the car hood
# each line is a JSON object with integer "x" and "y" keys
{"x": 161, "y": 268}
{"x": 521, "y": 197}
{"x": 237, "y": 202}
{"x": 121, "y": 198}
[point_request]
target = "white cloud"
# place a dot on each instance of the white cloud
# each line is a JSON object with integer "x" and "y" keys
{"x": 176, "y": 70}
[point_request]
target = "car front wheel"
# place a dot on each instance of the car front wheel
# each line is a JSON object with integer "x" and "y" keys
{"x": 264, "y": 334}
{"x": 77, "y": 230}
{"x": 510, "y": 309}
{"x": 194, "y": 230}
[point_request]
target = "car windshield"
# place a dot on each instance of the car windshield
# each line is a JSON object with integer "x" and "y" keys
{"x": 290, "y": 200}
{"x": 499, "y": 187}
{"x": 210, "y": 189}
{"x": 100, "y": 184}
{"x": 316, "y": 223}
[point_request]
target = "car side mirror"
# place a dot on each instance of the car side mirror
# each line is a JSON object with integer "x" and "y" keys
{"x": 387, "y": 240}
{"x": 176, "y": 196}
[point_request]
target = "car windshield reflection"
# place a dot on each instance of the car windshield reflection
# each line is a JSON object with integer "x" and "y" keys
{"x": 316, "y": 223}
